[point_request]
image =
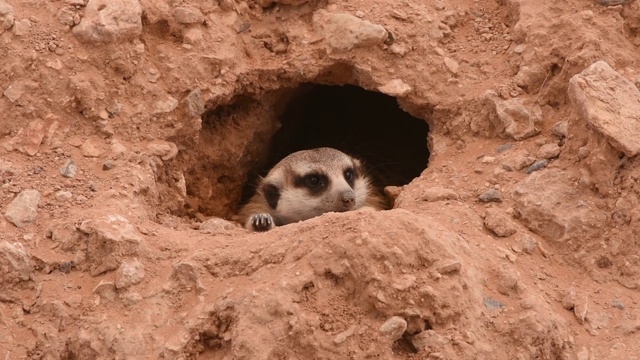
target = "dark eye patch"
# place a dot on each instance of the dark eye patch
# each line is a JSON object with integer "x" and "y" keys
{"x": 271, "y": 194}
{"x": 315, "y": 182}
{"x": 350, "y": 174}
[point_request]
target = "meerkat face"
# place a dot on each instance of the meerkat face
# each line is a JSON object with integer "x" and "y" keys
{"x": 312, "y": 182}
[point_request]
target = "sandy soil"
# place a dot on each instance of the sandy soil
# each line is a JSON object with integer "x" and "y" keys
{"x": 130, "y": 128}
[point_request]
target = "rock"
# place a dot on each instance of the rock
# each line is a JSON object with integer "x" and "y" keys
{"x": 450, "y": 267}
{"x": 69, "y": 169}
{"x": 129, "y": 273}
{"x": 451, "y": 65}
{"x": 164, "y": 149}
{"x": 14, "y": 264}
{"x": 7, "y": 170}
{"x": 493, "y": 304}
{"x": 110, "y": 238}
{"x": 488, "y": 160}
{"x": 439, "y": 194}
{"x": 109, "y": 21}
{"x": 106, "y": 290}
{"x": 530, "y": 78}
{"x": 14, "y": 91}
{"x": 538, "y": 165}
{"x": 569, "y": 299}
{"x": 166, "y": 105}
{"x": 91, "y": 148}
{"x": 583, "y": 354}
{"x": 518, "y": 160}
{"x": 186, "y": 277}
{"x": 216, "y": 226}
{"x": 343, "y": 336}
{"x": 117, "y": 148}
{"x": 193, "y": 103}
{"x": 192, "y": 36}
{"x": 63, "y": 196}
{"x": 499, "y": 223}
{"x": 581, "y": 309}
{"x": 188, "y": 15}
{"x": 108, "y": 165}
{"x": 561, "y": 129}
{"x": 617, "y": 303}
{"x": 23, "y": 210}
{"x": 394, "y": 328}
{"x": 395, "y": 88}
{"x": 428, "y": 338}
{"x": 344, "y": 32}
{"x": 503, "y": 148}
{"x": 512, "y": 118}
{"x": 56, "y": 132}
{"x": 6, "y": 16}
{"x": 491, "y": 195}
{"x": 610, "y": 104}
{"x": 527, "y": 243}
{"x": 548, "y": 205}
{"x": 28, "y": 139}
{"x": 548, "y": 151}
{"x": 22, "y": 27}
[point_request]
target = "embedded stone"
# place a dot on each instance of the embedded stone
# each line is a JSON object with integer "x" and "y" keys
{"x": 23, "y": 210}
{"x": 610, "y": 104}
{"x": 344, "y": 32}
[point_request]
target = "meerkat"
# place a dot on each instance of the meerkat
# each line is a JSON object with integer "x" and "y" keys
{"x": 307, "y": 184}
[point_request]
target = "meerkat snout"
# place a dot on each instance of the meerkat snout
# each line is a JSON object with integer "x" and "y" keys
{"x": 307, "y": 184}
{"x": 348, "y": 199}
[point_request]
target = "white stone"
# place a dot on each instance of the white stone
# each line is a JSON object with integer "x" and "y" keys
{"x": 394, "y": 328}
{"x": 395, "y": 88}
{"x": 23, "y": 209}
{"x": 109, "y": 21}
{"x": 512, "y": 118}
{"x": 610, "y": 104}
{"x": 344, "y": 32}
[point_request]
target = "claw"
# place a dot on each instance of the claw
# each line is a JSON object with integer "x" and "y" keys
{"x": 262, "y": 222}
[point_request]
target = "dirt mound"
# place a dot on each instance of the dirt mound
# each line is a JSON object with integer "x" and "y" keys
{"x": 131, "y": 131}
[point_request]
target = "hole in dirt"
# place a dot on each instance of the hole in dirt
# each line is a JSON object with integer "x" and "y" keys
{"x": 369, "y": 125}
{"x": 403, "y": 346}
{"x": 243, "y": 139}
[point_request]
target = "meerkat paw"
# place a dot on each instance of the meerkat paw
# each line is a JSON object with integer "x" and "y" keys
{"x": 261, "y": 222}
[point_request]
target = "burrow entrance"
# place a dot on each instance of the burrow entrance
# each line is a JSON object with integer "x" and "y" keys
{"x": 363, "y": 123}
{"x": 243, "y": 140}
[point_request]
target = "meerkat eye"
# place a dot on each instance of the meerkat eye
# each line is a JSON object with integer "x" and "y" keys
{"x": 312, "y": 181}
{"x": 348, "y": 175}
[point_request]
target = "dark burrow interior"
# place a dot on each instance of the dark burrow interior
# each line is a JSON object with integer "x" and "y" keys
{"x": 392, "y": 143}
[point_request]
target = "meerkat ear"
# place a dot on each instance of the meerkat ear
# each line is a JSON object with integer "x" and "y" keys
{"x": 271, "y": 194}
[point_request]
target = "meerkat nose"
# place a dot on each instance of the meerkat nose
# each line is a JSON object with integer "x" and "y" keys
{"x": 348, "y": 198}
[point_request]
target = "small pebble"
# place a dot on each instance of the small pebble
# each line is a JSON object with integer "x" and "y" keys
{"x": 63, "y": 196}
{"x": 69, "y": 169}
{"x": 491, "y": 195}
{"x": 617, "y": 303}
{"x": 503, "y": 148}
{"x": 493, "y": 304}
{"x": 394, "y": 328}
{"x": 66, "y": 266}
{"x": 108, "y": 165}
{"x": 37, "y": 170}
{"x": 538, "y": 165}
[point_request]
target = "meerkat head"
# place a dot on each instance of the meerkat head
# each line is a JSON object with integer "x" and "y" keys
{"x": 309, "y": 183}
